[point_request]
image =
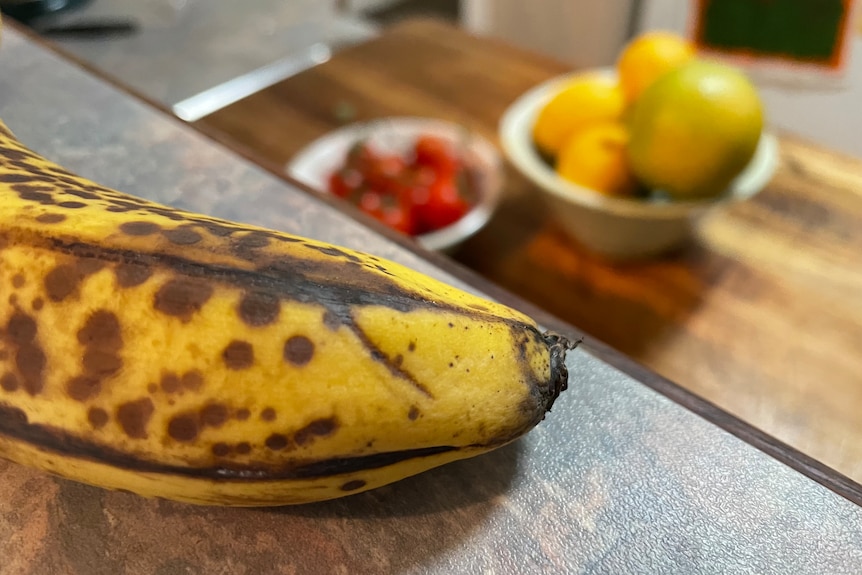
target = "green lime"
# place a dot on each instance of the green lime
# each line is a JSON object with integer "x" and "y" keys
{"x": 695, "y": 129}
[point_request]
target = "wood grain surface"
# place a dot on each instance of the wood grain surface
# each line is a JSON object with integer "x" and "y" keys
{"x": 761, "y": 315}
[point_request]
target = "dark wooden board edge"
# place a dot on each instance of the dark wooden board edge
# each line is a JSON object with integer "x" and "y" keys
{"x": 771, "y": 446}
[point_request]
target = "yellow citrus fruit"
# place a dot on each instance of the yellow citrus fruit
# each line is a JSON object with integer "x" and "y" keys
{"x": 595, "y": 157}
{"x": 649, "y": 56}
{"x": 586, "y": 98}
{"x": 695, "y": 129}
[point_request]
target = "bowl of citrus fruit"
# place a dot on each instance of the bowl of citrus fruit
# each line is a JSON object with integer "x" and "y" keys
{"x": 630, "y": 157}
{"x": 432, "y": 180}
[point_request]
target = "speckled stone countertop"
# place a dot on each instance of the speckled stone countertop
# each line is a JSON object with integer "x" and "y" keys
{"x": 618, "y": 479}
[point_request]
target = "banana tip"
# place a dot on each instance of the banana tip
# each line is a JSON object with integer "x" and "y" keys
{"x": 559, "y": 346}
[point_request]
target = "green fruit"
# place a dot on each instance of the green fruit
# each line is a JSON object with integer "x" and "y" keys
{"x": 695, "y": 129}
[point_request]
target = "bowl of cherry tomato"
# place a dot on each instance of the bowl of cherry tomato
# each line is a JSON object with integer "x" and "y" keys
{"x": 429, "y": 179}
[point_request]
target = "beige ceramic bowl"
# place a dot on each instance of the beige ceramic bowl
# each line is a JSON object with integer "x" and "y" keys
{"x": 618, "y": 228}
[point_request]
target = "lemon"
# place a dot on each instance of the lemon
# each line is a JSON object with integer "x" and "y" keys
{"x": 648, "y": 57}
{"x": 585, "y": 98}
{"x": 595, "y": 157}
{"x": 695, "y": 129}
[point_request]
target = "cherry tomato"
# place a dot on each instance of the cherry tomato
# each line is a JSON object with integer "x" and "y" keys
{"x": 360, "y": 155}
{"x": 344, "y": 181}
{"x": 415, "y": 184}
{"x": 382, "y": 172}
{"x": 368, "y": 201}
{"x": 445, "y": 205}
{"x": 398, "y": 217}
{"x": 436, "y": 153}
{"x": 388, "y": 209}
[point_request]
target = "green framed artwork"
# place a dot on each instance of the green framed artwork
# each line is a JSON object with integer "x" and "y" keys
{"x": 814, "y": 34}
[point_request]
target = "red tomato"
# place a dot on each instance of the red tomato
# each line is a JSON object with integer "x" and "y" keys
{"x": 415, "y": 184}
{"x": 387, "y": 209}
{"x": 436, "y": 153}
{"x": 368, "y": 201}
{"x": 383, "y": 172}
{"x": 444, "y": 206}
{"x": 398, "y": 217}
{"x": 360, "y": 155}
{"x": 345, "y": 181}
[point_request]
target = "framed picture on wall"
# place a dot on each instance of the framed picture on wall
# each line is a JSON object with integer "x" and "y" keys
{"x": 794, "y": 40}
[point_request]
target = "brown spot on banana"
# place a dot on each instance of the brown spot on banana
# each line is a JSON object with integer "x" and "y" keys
{"x": 183, "y": 427}
{"x": 102, "y": 339}
{"x": 72, "y": 205}
{"x": 277, "y": 442}
{"x": 13, "y": 154}
{"x": 101, "y": 331}
{"x": 134, "y": 416}
{"x": 192, "y": 380}
{"x": 130, "y": 274}
{"x": 171, "y": 383}
{"x": 20, "y": 337}
{"x": 238, "y": 355}
{"x": 97, "y": 417}
{"x": 258, "y": 308}
{"x": 251, "y": 240}
{"x": 182, "y": 236}
{"x": 83, "y": 388}
{"x": 182, "y": 297}
{"x": 42, "y": 198}
{"x": 298, "y": 350}
{"x": 189, "y": 381}
{"x": 318, "y": 428}
{"x": 9, "y": 382}
{"x": 218, "y": 229}
{"x": 186, "y": 427}
{"x": 60, "y": 282}
{"x": 18, "y": 178}
{"x": 353, "y": 485}
{"x": 248, "y": 246}
{"x": 63, "y": 281}
{"x": 214, "y": 415}
{"x": 139, "y": 228}
{"x": 21, "y": 329}
{"x": 50, "y": 218}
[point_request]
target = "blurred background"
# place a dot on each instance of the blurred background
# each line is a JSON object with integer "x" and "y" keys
{"x": 197, "y": 56}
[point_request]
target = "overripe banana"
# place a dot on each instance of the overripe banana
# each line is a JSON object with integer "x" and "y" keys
{"x": 176, "y": 355}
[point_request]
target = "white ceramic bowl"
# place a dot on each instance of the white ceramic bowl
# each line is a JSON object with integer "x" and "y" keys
{"x": 618, "y": 228}
{"x": 314, "y": 163}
